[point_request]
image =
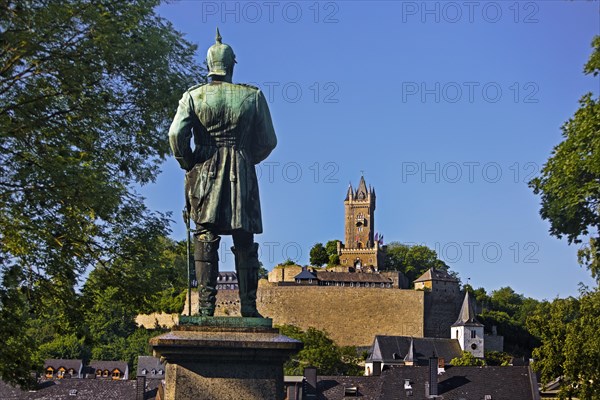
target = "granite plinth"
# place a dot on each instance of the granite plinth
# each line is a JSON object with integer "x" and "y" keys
{"x": 224, "y": 358}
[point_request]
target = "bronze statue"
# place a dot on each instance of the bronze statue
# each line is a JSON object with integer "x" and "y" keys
{"x": 232, "y": 131}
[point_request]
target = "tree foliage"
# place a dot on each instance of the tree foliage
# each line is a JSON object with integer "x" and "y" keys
{"x": 321, "y": 352}
{"x": 497, "y": 358}
{"x": 569, "y": 184}
{"x": 318, "y": 255}
{"x": 87, "y": 90}
{"x": 413, "y": 260}
{"x": 468, "y": 360}
{"x": 570, "y": 349}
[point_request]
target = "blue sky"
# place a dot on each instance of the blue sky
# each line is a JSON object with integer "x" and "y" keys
{"x": 448, "y": 108}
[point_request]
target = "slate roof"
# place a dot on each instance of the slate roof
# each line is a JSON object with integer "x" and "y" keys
{"x": 325, "y": 276}
{"x": 350, "y": 193}
{"x": 305, "y": 274}
{"x": 333, "y": 387}
{"x": 435, "y": 275}
{"x": 151, "y": 364}
{"x": 56, "y": 363}
{"x": 467, "y": 314}
{"x": 393, "y": 349}
{"x": 462, "y": 383}
{"x": 109, "y": 365}
{"x": 86, "y": 389}
{"x": 362, "y": 188}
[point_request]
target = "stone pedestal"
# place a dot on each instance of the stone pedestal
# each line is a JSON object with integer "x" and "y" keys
{"x": 220, "y": 358}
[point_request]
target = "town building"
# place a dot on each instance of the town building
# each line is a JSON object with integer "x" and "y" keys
{"x": 62, "y": 368}
{"x": 420, "y": 382}
{"x": 115, "y": 370}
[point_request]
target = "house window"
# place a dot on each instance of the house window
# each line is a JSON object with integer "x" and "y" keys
{"x": 144, "y": 371}
{"x": 71, "y": 371}
{"x": 61, "y": 373}
{"x": 105, "y": 373}
{"x": 473, "y": 334}
{"x": 116, "y": 374}
{"x": 49, "y": 372}
{"x": 98, "y": 372}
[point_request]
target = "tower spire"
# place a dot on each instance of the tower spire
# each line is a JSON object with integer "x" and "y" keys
{"x": 467, "y": 314}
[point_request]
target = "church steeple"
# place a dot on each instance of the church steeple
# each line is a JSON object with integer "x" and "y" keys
{"x": 467, "y": 330}
{"x": 467, "y": 314}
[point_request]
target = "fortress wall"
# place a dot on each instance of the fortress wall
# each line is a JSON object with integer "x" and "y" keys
{"x": 441, "y": 311}
{"x": 351, "y": 316}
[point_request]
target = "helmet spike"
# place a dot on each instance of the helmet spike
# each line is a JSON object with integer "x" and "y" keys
{"x": 218, "y": 38}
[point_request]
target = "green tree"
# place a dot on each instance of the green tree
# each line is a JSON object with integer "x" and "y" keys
{"x": 321, "y": 352}
{"x": 413, "y": 261}
{"x": 17, "y": 353}
{"x": 467, "y": 359}
{"x": 570, "y": 349}
{"x": 550, "y": 324}
{"x": 497, "y": 358}
{"x": 331, "y": 247}
{"x": 87, "y": 90}
{"x": 318, "y": 255}
{"x": 66, "y": 347}
{"x": 569, "y": 183}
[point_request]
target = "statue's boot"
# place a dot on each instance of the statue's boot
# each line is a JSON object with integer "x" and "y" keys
{"x": 246, "y": 267}
{"x": 206, "y": 256}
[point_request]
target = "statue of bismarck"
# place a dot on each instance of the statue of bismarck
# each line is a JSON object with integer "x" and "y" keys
{"x": 232, "y": 131}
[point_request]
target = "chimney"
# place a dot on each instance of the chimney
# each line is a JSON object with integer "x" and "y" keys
{"x": 376, "y": 368}
{"x": 309, "y": 391}
{"x": 433, "y": 377}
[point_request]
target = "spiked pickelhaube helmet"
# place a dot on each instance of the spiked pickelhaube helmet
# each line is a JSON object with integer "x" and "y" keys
{"x": 220, "y": 57}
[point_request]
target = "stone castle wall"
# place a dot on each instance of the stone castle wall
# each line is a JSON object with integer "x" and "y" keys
{"x": 351, "y": 316}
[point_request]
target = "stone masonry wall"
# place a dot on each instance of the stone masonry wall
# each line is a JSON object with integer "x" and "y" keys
{"x": 351, "y": 316}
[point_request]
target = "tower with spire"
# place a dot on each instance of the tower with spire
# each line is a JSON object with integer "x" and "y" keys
{"x": 467, "y": 330}
{"x": 362, "y": 248}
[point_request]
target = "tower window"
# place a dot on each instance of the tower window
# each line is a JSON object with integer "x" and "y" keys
{"x": 473, "y": 334}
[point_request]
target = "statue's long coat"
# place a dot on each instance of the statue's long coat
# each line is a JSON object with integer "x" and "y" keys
{"x": 232, "y": 130}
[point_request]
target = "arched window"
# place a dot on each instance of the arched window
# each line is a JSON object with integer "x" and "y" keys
{"x": 105, "y": 373}
{"x": 49, "y": 372}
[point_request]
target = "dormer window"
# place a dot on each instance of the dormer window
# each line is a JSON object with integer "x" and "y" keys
{"x": 144, "y": 371}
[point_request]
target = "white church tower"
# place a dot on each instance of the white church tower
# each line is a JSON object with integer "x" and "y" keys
{"x": 467, "y": 330}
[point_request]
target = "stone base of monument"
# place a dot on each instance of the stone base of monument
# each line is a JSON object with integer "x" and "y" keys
{"x": 222, "y": 358}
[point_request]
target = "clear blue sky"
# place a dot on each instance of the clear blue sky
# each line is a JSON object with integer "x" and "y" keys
{"x": 449, "y": 108}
